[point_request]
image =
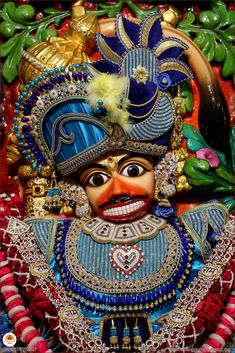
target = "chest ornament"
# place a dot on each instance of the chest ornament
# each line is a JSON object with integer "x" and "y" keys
{"x": 106, "y": 296}
{"x": 126, "y": 259}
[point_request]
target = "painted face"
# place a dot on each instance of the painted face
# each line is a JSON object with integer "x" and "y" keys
{"x": 120, "y": 188}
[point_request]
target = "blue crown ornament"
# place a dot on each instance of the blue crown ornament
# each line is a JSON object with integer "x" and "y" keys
{"x": 66, "y": 118}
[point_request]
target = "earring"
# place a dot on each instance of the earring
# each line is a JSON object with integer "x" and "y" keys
{"x": 75, "y": 196}
{"x": 164, "y": 173}
{"x": 53, "y": 201}
{"x": 181, "y": 181}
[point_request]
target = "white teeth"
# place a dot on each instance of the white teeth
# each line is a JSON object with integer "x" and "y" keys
{"x": 124, "y": 210}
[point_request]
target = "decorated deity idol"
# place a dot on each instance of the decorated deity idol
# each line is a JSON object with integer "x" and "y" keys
{"x": 124, "y": 273}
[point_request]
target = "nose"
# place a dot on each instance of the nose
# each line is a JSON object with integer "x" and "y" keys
{"x": 118, "y": 187}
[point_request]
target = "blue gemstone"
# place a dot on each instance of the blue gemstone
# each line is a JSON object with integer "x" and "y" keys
{"x": 85, "y": 76}
{"x": 75, "y": 76}
{"x": 40, "y": 88}
{"x": 70, "y": 68}
{"x": 17, "y": 105}
{"x": 17, "y": 111}
{"x": 36, "y": 80}
{"x": 77, "y": 66}
{"x": 62, "y": 69}
{"x": 53, "y": 80}
{"x": 49, "y": 85}
{"x": 24, "y": 119}
{"x": 15, "y": 127}
{"x": 56, "y": 70}
{"x": 24, "y": 94}
{"x": 84, "y": 66}
{"x": 25, "y": 128}
{"x": 34, "y": 166}
{"x": 51, "y": 72}
{"x": 27, "y": 86}
{"x": 15, "y": 119}
{"x": 103, "y": 110}
{"x": 18, "y": 135}
{"x": 62, "y": 78}
{"x": 67, "y": 76}
{"x": 21, "y": 143}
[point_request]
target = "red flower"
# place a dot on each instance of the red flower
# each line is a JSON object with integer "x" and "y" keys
{"x": 8, "y": 185}
{"x": 211, "y": 314}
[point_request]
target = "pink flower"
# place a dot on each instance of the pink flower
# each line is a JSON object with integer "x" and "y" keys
{"x": 209, "y": 156}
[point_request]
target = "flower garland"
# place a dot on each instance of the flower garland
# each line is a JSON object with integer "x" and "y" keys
{"x": 24, "y": 327}
{"x": 11, "y": 205}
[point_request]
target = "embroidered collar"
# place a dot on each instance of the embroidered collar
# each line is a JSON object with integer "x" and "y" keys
{"x": 125, "y": 233}
{"x": 90, "y": 290}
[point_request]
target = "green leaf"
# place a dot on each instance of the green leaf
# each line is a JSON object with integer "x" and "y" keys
{"x": 209, "y": 19}
{"x": 220, "y": 8}
{"x": 229, "y": 63}
{"x": 230, "y": 19}
{"x": 10, "y": 66}
{"x": 195, "y": 141}
{"x": 6, "y": 47}
{"x": 200, "y": 39}
{"x": 219, "y": 52}
{"x": 190, "y": 18}
{"x": 197, "y": 172}
{"x": 214, "y": 34}
{"x": 229, "y": 33}
{"x": 51, "y": 11}
{"x": 112, "y": 11}
{"x": 228, "y": 202}
{"x": 224, "y": 174}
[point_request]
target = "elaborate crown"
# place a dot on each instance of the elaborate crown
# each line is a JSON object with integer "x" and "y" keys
{"x": 68, "y": 117}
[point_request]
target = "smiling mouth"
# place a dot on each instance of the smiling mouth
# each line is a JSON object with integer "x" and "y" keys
{"x": 124, "y": 210}
{"x": 127, "y": 211}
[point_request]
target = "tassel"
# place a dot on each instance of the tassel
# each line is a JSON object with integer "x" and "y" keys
{"x": 126, "y": 342}
{"x": 113, "y": 336}
{"x": 137, "y": 336}
{"x": 53, "y": 201}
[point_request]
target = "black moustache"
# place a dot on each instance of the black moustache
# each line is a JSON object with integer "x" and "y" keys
{"x": 122, "y": 199}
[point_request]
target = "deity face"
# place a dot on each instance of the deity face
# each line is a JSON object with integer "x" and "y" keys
{"x": 119, "y": 187}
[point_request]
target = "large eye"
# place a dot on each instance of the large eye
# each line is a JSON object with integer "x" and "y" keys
{"x": 98, "y": 179}
{"x": 133, "y": 170}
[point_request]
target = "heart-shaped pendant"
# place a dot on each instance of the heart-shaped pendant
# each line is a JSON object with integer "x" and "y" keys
{"x": 126, "y": 259}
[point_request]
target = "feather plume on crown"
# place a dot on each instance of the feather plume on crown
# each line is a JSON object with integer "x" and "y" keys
{"x": 110, "y": 90}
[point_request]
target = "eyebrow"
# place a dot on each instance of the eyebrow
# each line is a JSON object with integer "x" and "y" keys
{"x": 104, "y": 167}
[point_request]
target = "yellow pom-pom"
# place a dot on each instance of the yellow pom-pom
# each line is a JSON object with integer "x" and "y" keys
{"x": 111, "y": 90}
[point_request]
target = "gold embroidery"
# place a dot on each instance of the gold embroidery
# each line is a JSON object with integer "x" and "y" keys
{"x": 100, "y": 284}
{"x": 122, "y": 33}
